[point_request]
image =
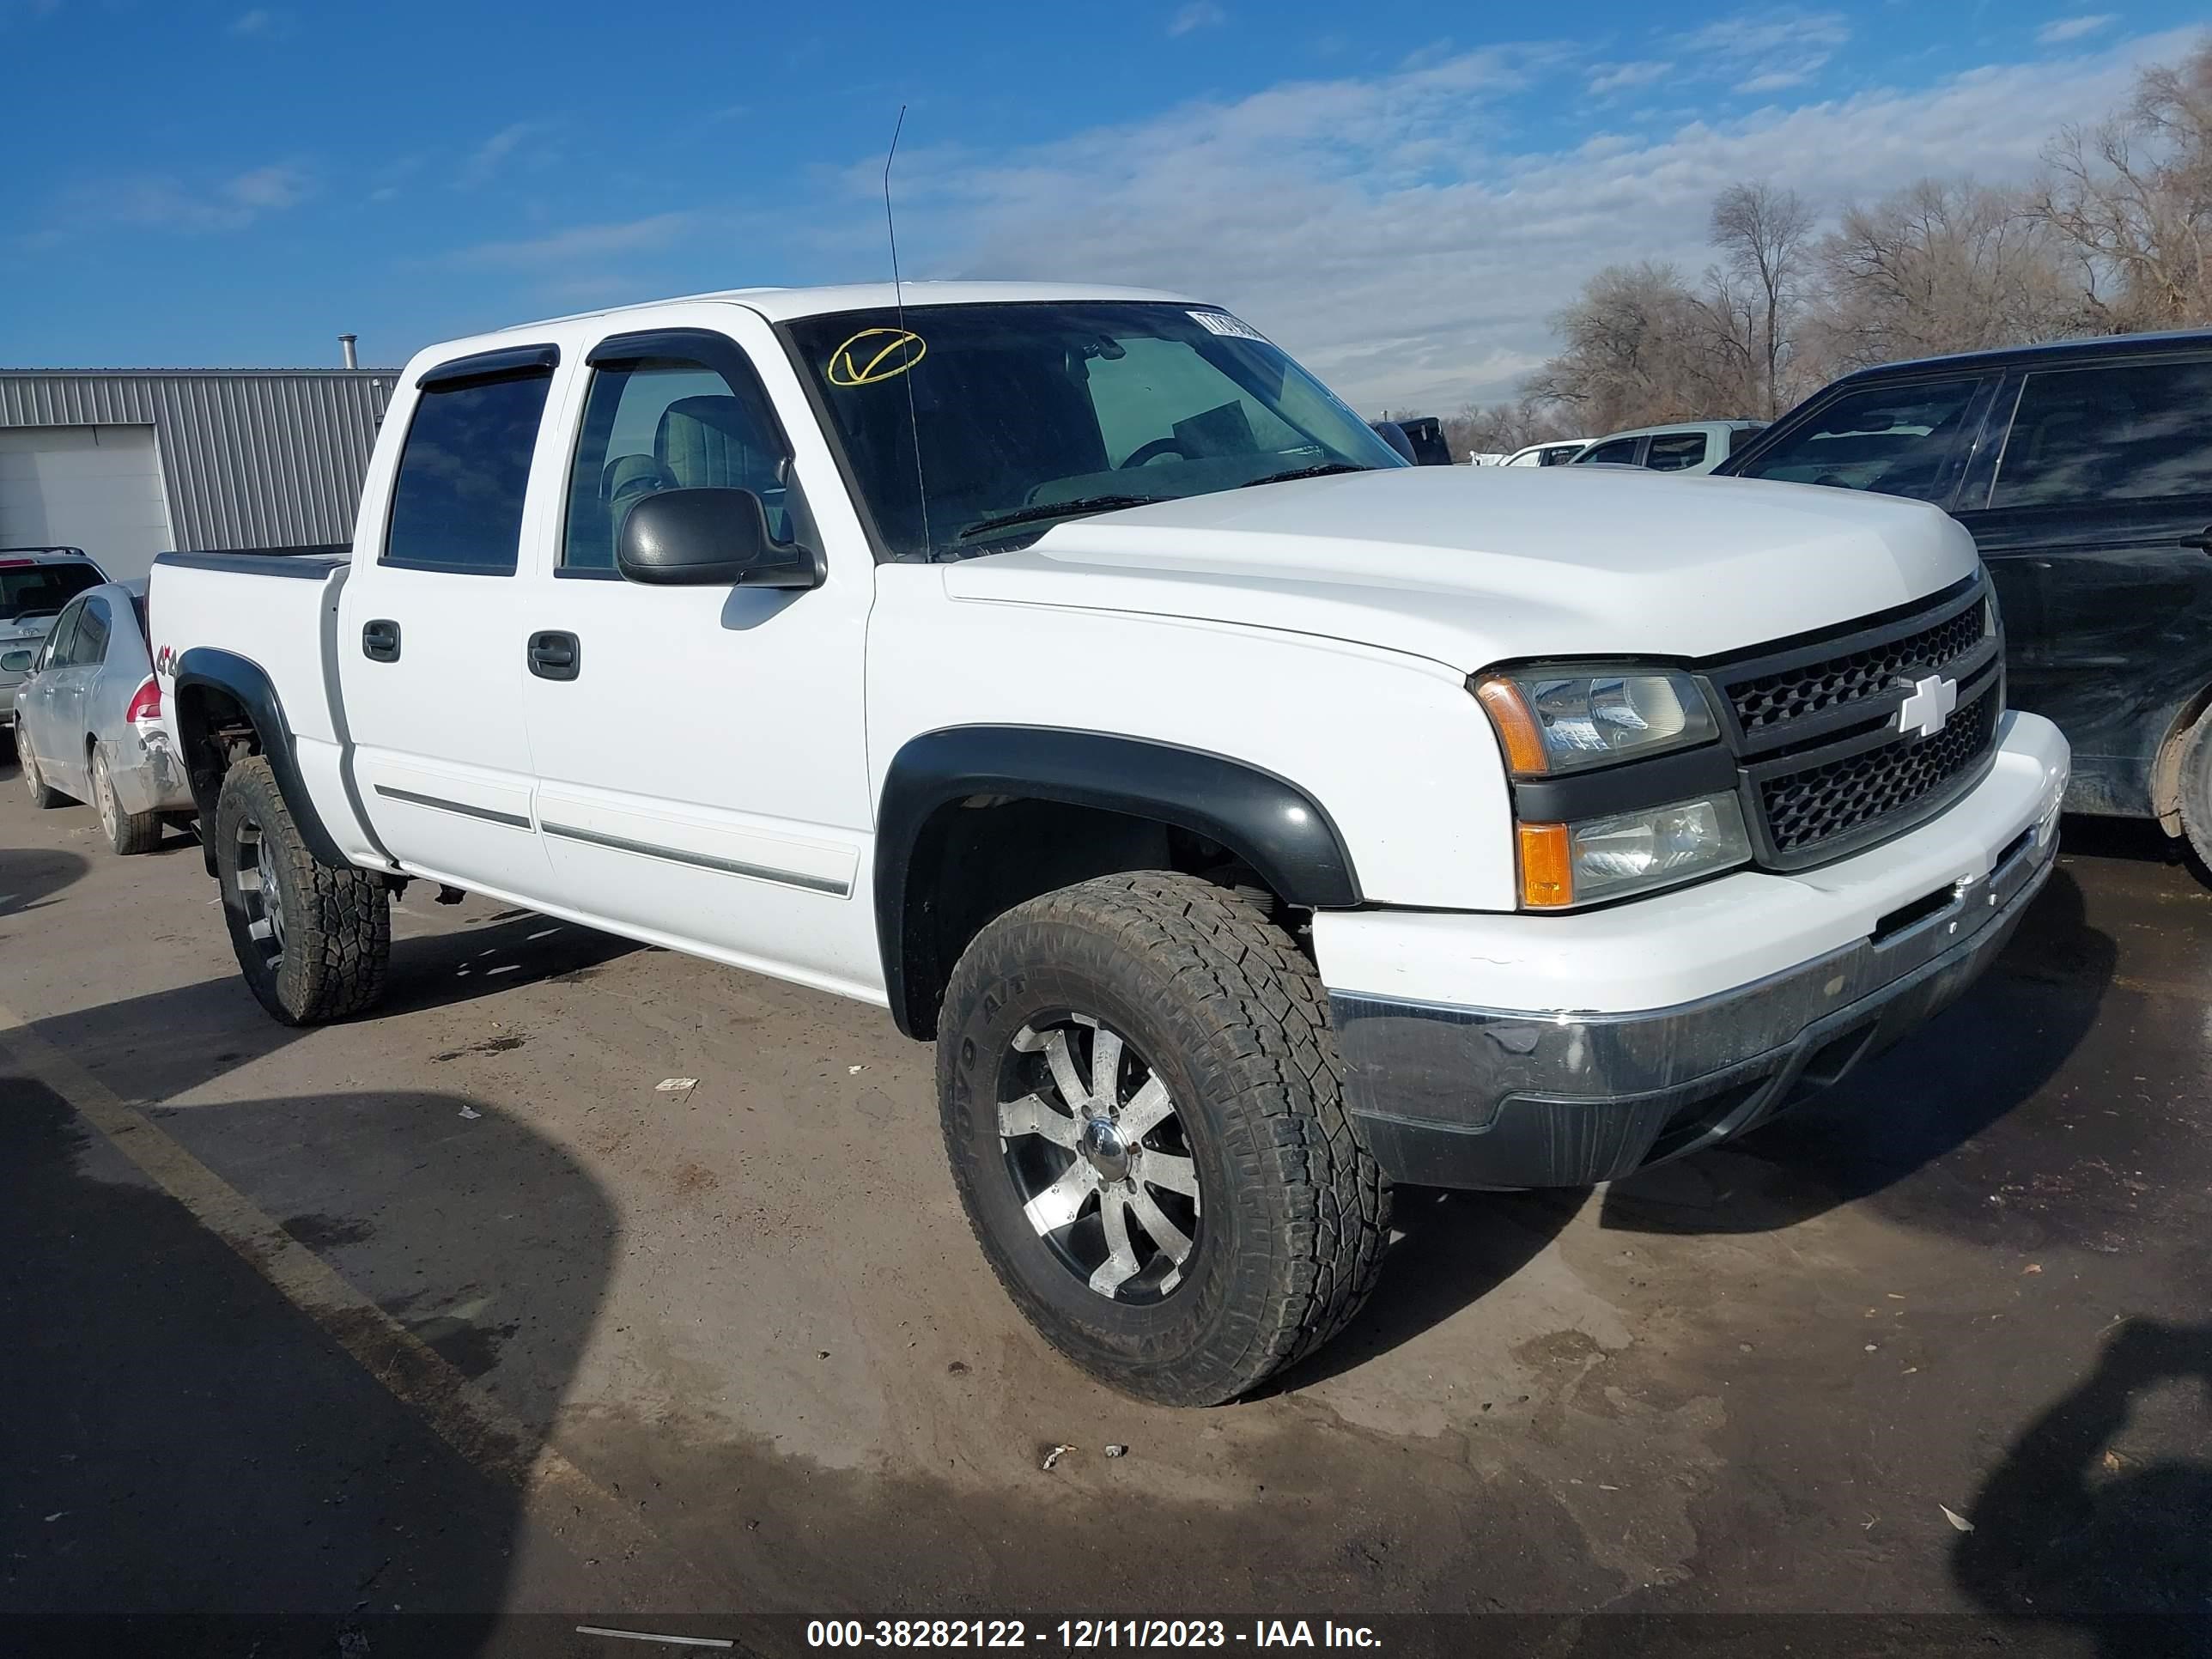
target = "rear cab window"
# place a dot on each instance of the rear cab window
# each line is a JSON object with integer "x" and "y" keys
{"x": 1903, "y": 439}
{"x": 1673, "y": 452}
{"x": 2118, "y": 432}
{"x": 457, "y": 498}
{"x": 1622, "y": 452}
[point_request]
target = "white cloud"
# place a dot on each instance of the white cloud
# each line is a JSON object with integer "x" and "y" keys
{"x": 1378, "y": 227}
{"x": 1615, "y": 77}
{"x": 1198, "y": 14}
{"x": 580, "y": 242}
{"x": 163, "y": 201}
{"x": 485, "y": 162}
{"x": 1764, "y": 52}
{"x": 2074, "y": 29}
{"x": 263, "y": 24}
{"x": 267, "y": 189}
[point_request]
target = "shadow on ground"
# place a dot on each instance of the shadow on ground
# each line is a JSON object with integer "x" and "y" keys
{"x": 1996, "y": 1050}
{"x": 2070, "y": 1530}
{"x": 1452, "y": 1250}
{"x": 186, "y": 1443}
{"x": 30, "y": 878}
{"x": 162, "y": 1044}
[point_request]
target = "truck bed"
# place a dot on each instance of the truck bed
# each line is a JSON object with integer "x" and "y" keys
{"x": 312, "y": 563}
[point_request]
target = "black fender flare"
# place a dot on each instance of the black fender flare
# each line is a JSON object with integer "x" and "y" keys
{"x": 1270, "y": 822}
{"x": 248, "y": 685}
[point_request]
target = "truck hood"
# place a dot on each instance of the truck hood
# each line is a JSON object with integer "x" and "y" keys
{"x": 1473, "y": 565}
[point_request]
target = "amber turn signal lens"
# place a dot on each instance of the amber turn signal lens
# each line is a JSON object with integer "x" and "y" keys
{"x": 1517, "y": 727}
{"x": 1547, "y": 868}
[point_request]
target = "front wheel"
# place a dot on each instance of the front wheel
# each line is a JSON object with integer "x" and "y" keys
{"x": 1140, "y": 1101}
{"x": 43, "y": 796}
{"x": 311, "y": 938}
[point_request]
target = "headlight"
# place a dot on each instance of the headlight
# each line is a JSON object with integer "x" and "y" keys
{"x": 1579, "y": 863}
{"x": 1566, "y": 720}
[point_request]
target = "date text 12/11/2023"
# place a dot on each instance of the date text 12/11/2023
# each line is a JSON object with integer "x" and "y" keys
{"x": 1086, "y": 1633}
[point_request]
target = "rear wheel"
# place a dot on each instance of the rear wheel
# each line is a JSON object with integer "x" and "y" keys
{"x": 2196, "y": 788}
{"x": 127, "y": 832}
{"x": 41, "y": 796}
{"x": 1140, "y": 1103}
{"x": 311, "y": 938}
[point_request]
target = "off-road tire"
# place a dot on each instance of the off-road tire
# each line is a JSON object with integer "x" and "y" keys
{"x": 128, "y": 833}
{"x": 337, "y": 934}
{"x": 2196, "y": 789}
{"x": 1232, "y": 1017}
{"x": 44, "y": 795}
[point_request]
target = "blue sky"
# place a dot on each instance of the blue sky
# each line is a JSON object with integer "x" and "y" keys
{"x": 1399, "y": 194}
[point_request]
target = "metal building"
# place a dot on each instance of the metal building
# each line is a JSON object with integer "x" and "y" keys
{"x": 128, "y": 463}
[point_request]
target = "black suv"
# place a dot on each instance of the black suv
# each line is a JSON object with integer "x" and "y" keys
{"x": 2084, "y": 471}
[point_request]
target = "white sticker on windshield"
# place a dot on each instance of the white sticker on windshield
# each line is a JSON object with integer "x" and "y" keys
{"x": 1221, "y": 322}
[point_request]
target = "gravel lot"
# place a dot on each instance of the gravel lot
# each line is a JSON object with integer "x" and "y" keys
{"x": 451, "y": 1310}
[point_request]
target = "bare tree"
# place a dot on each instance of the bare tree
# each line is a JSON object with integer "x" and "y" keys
{"x": 2133, "y": 196}
{"x": 1763, "y": 234}
{"x": 1940, "y": 266}
{"x": 1639, "y": 347}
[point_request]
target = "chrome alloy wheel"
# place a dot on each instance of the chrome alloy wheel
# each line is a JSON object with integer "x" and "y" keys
{"x": 260, "y": 896}
{"x": 1099, "y": 1159}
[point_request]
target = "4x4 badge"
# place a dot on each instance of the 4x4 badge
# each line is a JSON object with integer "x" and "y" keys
{"x": 1929, "y": 707}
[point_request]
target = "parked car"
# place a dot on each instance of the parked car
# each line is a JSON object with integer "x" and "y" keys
{"x": 88, "y": 719}
{"x": 2084, "y": 472}
{"x": 1556, "y": 453}
{"x": 1687, "y": 446}
{"x": 35, "y": 583}
{"x": 1251, "y": 820}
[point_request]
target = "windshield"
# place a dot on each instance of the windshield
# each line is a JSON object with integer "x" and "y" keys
{"x": 1894, "y": 440}
{"x": 1086, "y": 406}
{"x": 35, "y": 590}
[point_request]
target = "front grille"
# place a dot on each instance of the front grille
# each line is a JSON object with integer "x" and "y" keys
{"x": 1814, "y": 726}
{"x": 1805, "y": 809}
{"x": 1789, "y": 693}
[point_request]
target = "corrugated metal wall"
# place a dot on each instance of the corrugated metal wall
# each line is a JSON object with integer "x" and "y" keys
{"x": 251, "y": 458}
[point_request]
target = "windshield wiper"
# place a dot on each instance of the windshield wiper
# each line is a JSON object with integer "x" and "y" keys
{"x": 1322, "y": 471}
{"x": 1055, "y": 510}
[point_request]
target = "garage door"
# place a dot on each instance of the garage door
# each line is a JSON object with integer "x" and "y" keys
{"x": 94, "y": 487}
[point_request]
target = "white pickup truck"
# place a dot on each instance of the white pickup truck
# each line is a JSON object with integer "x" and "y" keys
{"x": 1252, "y": 820}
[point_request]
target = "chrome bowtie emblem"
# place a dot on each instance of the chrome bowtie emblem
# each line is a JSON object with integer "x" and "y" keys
{"x": 1931, "y": 704}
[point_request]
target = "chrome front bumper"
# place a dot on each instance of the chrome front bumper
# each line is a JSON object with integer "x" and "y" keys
{"x": 1456, "y": 1096}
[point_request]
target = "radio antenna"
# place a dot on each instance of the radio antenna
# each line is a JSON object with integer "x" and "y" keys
{"x": 898, "y": 303}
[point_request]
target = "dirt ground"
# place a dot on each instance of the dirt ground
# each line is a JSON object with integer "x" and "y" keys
{"x": 451, "y": 1311}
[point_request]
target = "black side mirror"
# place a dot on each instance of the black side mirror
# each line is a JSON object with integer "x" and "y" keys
{"x": 1395, "y": 436}
{"x": 709, "y": 538}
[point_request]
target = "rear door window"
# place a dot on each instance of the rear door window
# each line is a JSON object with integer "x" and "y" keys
{"x": 1904, "y": 439}
{"x": 89, "y": 646}
{"x": 457, "y": 501}
{"x": 2123, "y": 432}
{"x": 1622, "y": 452}
{"x": 1671, "y": 452}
